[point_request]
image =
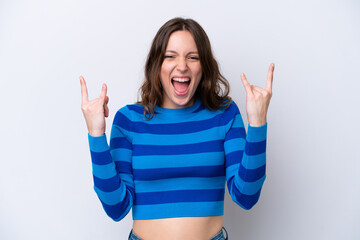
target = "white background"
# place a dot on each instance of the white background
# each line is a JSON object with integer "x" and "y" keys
{"x": 312, "y": 190}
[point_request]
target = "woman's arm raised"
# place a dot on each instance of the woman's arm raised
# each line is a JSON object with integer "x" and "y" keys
{"x": 246, "y": 152}
{"x": 112, "y": 174}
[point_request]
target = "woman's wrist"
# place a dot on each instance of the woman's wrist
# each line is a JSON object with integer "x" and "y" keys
{"x": 96, "y": 133}
{"x": 257, "y": 124}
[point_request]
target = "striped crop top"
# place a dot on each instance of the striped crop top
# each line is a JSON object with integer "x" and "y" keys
{"x": 177, "y": 163}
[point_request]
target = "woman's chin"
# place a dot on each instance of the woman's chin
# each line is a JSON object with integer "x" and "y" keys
{"x": 188, "y": 102}
{"x": 179, "y": 102}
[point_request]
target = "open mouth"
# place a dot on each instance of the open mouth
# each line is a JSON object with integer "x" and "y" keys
{"x": 181, "y": 85}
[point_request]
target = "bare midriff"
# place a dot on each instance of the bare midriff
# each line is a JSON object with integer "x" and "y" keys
{"x": 189, "y": 228}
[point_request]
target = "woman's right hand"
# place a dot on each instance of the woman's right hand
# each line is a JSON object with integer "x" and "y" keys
{"x": 95, "y": 110}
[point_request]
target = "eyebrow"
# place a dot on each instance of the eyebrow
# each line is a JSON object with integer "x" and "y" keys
{"x": 172, "y": 51}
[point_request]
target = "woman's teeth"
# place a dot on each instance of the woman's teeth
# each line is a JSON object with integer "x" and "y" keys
{"x": 181, "y": 79}
{"x": 181, "y": 85}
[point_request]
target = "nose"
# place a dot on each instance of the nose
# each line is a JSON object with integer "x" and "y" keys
{"x": 182, "y": 65}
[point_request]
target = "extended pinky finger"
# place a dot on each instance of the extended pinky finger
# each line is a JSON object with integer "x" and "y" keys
{"x": 270, "y": 76}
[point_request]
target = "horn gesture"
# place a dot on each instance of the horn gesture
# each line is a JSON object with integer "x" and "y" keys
{"x": 258, "y": 99}
{"x": 94, "y": 110}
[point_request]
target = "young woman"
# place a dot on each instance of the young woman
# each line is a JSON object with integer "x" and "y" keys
{"x": 171, "y": 154}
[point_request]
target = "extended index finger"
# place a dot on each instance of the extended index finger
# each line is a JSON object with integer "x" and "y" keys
{"x": 84, "y": 92}
{"x": 246, "y": 84}
{"x": 269, "y": 79}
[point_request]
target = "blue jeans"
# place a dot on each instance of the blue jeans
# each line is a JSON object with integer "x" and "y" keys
{"x": 218, "y": 236}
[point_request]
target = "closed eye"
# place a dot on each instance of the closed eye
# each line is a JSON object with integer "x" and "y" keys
{"x": 194, "y": 58}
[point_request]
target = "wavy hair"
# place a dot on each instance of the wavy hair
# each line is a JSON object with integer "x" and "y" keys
{"x": 209, "y": 90}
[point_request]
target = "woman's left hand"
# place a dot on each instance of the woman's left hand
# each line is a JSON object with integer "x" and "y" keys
{"x": 258, "y": 99}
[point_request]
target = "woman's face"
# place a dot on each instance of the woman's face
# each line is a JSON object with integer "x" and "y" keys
{"x": 180, "y": 71}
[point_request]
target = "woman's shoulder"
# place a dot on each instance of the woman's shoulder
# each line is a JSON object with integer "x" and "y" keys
{"x": 233, "y": 106}
{"x": 229, "y": 106}
{"x": 230, "y": 111}
{"x": 131, "y": 111}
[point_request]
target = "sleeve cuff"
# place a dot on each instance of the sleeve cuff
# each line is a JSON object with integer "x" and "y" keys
{"x": 98, "y": 144}
{"x": 256, "y": 134}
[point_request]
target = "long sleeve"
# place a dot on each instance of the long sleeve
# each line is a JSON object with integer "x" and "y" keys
{"x": 112, "y": 171}
{"x": 245, "y": 161}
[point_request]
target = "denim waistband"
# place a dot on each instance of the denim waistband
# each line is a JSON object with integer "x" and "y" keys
{"x": 218, "y": 236}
